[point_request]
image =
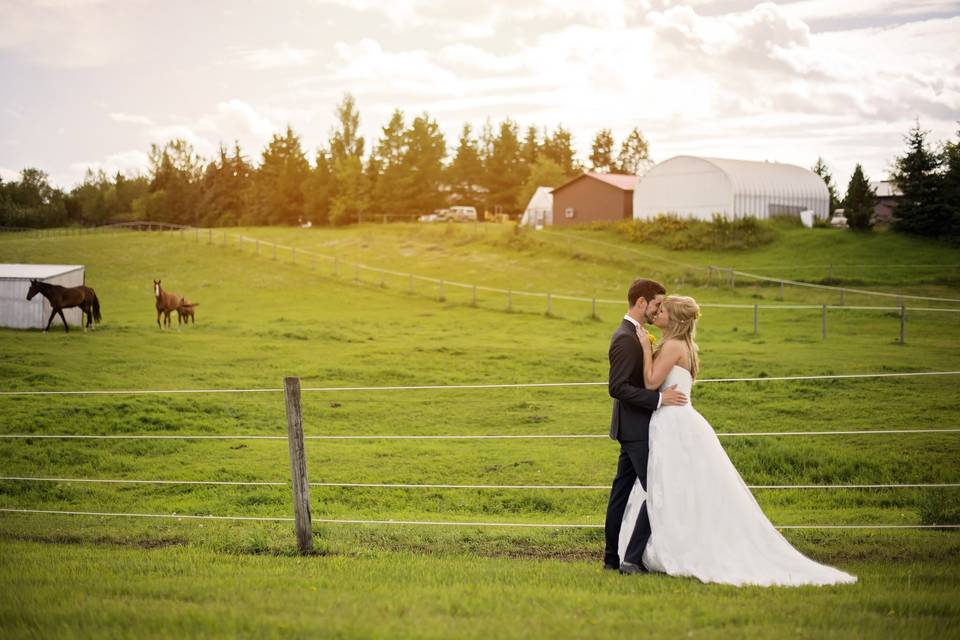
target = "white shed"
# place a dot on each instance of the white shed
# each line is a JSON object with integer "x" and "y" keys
{"x": 696, "y": 187}
{"x": 17, "y": 312}
{"x": 539, "y": 211}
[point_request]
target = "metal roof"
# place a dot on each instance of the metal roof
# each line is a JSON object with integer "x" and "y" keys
{"x": 38, "y": 271}
{"x": 618, "y": 180}
{"x": 750, "y": 176}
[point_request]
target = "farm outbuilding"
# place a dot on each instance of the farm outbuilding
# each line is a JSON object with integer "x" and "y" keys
{"x": 539, "y": 211}
{"x": 699, "y": 187}
{"x": 17, "y": 312}
{"x": 594, "y": 197}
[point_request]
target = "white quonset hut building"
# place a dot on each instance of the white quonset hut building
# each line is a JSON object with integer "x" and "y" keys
{"x": 697, "y": 187}
{"x": 539, "y": 211}
{"x": 17, "y": 312}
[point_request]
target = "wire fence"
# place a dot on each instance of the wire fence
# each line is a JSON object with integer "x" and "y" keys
{"x": 300, "y": 485}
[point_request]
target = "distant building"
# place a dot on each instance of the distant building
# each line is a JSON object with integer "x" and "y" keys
{"x": 539, "y": 211}
{"x": 888, "y": 195}
{"x": 699, "y": 187}
{"x": 594, "y": 197}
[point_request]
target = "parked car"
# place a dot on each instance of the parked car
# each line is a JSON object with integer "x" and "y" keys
{"x": 438, "y": 215}
{"x": 463, "y": 214}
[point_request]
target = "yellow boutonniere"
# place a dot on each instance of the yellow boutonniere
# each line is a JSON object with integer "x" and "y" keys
{"x": 652, "y": 338}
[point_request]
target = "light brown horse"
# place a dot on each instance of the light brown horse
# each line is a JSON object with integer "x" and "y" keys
{"x": 167, "y": 301}
{"x": 186, "y": 310}
{"x": 61, "y": 298}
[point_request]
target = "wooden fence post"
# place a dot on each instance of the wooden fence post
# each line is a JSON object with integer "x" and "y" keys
{"x": 781, "y": 290}
{"x": 441, "y": 297}
{"x": 257, "y": 241}
{"x": 593, "y": 309}
{"x": 293, "y": 255}
{"x": 410, "y": 282}
{"x": 274, "y": 250}
{"x": 336, "y": 266}
{"x": 473, "y": 301}
{"x": 509, "y": 300}
{"x": 842, "y": 291}
{"x": 903, "y": 322}
{"x": 298, "y": 465}
{"x": 824, "y": 322}
{"x": 756, "y": 319}
{"x": 549, "y": 305}
{"x": 382, "y": 281}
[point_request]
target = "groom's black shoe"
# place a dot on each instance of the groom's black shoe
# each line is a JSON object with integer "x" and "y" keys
{"x": 610, "y": 567}
{"x": 628, "y": 568}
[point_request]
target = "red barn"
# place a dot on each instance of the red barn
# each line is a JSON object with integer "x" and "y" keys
{"x": 594, "y": 197}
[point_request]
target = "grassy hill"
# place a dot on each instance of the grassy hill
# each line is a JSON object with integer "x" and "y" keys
{"x": 261, "y": 319}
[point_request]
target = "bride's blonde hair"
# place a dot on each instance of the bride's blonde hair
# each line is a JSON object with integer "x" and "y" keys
{"x": 683, "y": 312}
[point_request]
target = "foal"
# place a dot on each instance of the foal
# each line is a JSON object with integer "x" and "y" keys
{"x": 167, "y": 301}
{"x": 61, "y": 298}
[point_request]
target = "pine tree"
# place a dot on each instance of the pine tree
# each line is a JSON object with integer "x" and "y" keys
{"x": 278, "y": 183}
{"x": 822, "y": 170}
{"x": 634, "y": 156}
{"x": 601, "y": 155}
{"x": 349, "y": 192}
{"x": 422, "y": 166}
{"x": 503, "y": 169}
{"x": 859, "y": 202}
{"x": 465, "y": 173}
{"x": 950, "y": 191}
{"x": 921, "y": 209}
{"x": 386, "y": 167}
{"x": 559, "y": 148}
{"x": 318, "y": 190}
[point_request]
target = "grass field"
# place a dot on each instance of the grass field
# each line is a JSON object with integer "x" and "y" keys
{"x": 259, "y": 320}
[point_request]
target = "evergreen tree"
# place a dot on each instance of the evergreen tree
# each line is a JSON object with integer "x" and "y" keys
{"x": 634, "y": 156}
{"x": 278, "y": 182}
{"x": 465, "y": 174}
{"x": 822, "y": 170}
{"x": 531, "y": 147}
{"x": 32, "y": 201}
{"x": 226, "y": 185}
{"x": 950, "y": 188}
{"x": 349, "y": 193}
{"x": 859, "y": 202}
{"x": 318, "y": 190}
{"x": 559, "y": 148}
{"x": 175, "y": 191}
{"x": 386, "y": 167}
{"x": 503, "y": 170}
{"x": 601, "y": 155}
{"x": 422, "y": 167}
{"x": 921, "y": 210}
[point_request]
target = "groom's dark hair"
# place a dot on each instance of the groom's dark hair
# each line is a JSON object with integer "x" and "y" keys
{"x": 647, "y": 289}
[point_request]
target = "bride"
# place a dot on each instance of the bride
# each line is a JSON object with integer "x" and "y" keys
{"x": 705, "y": 522}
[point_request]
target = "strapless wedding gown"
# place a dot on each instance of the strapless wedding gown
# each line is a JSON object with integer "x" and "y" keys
{"x": 705, "y": 522}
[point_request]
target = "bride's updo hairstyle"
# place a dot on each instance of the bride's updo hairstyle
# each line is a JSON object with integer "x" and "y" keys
{"x": 682, "y": 325}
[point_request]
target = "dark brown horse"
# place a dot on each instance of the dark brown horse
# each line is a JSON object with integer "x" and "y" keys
{"x": 61, "y": 298}
{"x": 167, "y": 301}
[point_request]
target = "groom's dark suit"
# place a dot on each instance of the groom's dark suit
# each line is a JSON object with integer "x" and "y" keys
{"x": 633, "y": 405}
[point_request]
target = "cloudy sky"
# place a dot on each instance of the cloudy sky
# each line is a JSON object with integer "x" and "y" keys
{"x": 91, "y": 83}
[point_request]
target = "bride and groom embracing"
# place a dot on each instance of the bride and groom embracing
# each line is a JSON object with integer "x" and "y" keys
{"x": 677, "y": 504}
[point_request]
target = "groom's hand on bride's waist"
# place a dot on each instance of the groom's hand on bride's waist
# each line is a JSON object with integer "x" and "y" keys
{"x": 672, "y": 398}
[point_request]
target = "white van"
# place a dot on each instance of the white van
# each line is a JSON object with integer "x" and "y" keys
{"x": 463, "y": 214}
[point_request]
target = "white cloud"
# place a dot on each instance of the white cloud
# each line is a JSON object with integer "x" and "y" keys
{"x": 9, "y": 175}
{"x": 128, "y": 163}
{"x": 280, "y": 57}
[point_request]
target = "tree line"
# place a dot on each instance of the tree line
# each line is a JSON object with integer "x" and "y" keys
{"x": 928, "y": 178}
{"x": 408, "y": 171}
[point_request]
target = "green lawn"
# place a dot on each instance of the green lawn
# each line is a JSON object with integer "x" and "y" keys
{"x": 260, "y": 320}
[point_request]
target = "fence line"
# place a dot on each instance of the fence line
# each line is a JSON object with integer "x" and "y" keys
{"x": 395, "y": 485}
{"x": 585, "y": 436}
{"x": 754, "y": 276}
{"x": 534, "y": 525}
{"x": 536, "y": 294}
{"x": 460, "y": 387}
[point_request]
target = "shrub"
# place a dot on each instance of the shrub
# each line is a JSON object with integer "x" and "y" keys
{"x": 677, "y": 233}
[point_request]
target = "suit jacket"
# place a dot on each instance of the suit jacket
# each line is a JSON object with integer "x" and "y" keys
{"x": 633, "y": 404}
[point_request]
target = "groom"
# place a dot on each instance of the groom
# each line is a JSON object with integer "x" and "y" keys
{"x": 633, "y": 404}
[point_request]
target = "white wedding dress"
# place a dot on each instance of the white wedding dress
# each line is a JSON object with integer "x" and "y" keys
{"x": 705, "y": 522}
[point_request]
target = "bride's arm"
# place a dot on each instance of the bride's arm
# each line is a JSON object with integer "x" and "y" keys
{"x": 655, "y": 370}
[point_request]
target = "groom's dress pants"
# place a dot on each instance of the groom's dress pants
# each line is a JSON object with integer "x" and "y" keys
{"x": 631, "y": 465}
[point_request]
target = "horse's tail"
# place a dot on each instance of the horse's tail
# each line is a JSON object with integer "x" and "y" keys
{"x": 96, "y": 307}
